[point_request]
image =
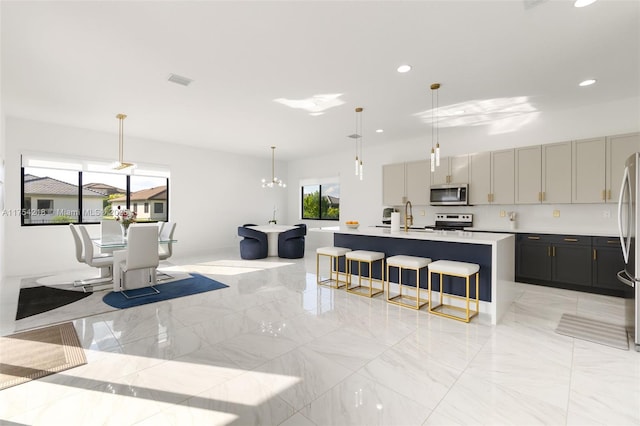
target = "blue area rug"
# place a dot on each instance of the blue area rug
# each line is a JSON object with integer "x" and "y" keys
{"x": 195, "y": 284}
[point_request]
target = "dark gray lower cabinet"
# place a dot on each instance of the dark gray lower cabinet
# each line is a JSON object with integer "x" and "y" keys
{"x": 570, "y": 261}
{"x": 533, "y": 257}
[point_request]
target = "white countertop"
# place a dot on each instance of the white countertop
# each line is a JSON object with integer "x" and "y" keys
{"x": 524, "y": 230}
{"x": 430, "y": 235}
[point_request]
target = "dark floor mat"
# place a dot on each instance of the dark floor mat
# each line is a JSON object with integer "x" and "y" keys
{"x": 36, "y": 300}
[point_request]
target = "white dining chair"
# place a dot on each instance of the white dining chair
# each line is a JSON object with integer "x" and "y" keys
{"x": 141, "y": 253}
{"x": 103, "y": 261}
{"x": 110, "y": 228}
{"x": 165, "y": 250}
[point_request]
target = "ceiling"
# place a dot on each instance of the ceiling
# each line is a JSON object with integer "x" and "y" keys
{"x": 80, "y": 63}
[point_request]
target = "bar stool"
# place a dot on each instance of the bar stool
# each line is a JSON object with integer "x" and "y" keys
{"x": 334, "y": 254}
{"x": 369, "y": 257}
{"x": 455, "y": 269}
{"x": 406, "y": 262}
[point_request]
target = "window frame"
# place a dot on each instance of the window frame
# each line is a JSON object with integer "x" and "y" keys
{"x": 320, "y": 212}
{"x": 24, "y": 210}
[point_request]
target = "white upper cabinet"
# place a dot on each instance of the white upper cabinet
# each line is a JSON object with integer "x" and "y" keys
{"x": 417, "y": 183}
{"x": 451, "y": 170}
{"x": 528, "y": 162}
{"x": 502, "y": 177}
{"x": 491, "y": 177}
{"x": 589, "y": 171}
{"x": 480, "y": 178}
{"x": 543, "y": 174}
{"x": 393, "y": 184}
{"x": 556, "y": 173}
{"x": 406, "y": 181}
{"x": 598, "y": 165}
{"x": 619, "y": 148}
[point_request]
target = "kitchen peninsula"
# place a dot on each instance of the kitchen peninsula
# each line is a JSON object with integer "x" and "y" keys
{"x": 494, "y": 252}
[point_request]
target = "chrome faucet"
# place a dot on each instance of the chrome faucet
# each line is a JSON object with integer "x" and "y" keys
{"x": 408, "y": 215}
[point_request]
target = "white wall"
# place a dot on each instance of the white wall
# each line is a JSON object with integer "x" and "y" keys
{"x": 362, "y": 200}
{"x": 229, "y": 187}
{"x": 226, "y": 185}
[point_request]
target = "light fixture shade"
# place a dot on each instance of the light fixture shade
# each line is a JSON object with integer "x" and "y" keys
{"x": 433, "y": 160}
{"x": 438, "y": 155}
{"x": 357, "y": 163}
{"x": 361, "y": 170}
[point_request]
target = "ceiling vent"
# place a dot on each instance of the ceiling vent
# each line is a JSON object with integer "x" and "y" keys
{"x": 178, "y": 79}
{"x": 528, "y": 4}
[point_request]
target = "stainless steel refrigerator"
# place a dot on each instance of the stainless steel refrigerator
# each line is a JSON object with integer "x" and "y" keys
{"x": 628, "y": 222}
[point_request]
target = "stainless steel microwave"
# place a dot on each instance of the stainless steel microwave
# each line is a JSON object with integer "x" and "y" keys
{"x": 453, "y": 194}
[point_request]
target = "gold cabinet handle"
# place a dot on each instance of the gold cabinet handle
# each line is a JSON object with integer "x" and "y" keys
{"x": 533, "y": 238}
{"x": 553, "y": 251}
{"x": 608, "y": 194}
{"x": 604, "y": 194}
{"x": 488, "y": 198}
{"x": 571, "y": 240}
{"x": 612, "y": 241}
{"x": 595, "y": 256}
{"x": 539, "y": 196}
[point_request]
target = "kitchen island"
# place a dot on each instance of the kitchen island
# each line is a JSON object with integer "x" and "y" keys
{"x": 494, "y": 252}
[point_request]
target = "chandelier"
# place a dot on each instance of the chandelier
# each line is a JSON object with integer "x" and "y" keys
{"x": 274, "y": 180}
{"x": 435, "y": 153}
{"x": 121, "y": 164}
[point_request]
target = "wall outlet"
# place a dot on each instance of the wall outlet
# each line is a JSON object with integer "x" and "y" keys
{"x": 606, "y": 214}
{"x": 422, "y": 213}
{"x": 556, "y": 213}
{"x": 503, "y": 213}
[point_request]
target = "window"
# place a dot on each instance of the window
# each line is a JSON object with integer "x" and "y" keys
{"x": 135, "y": 207}
{"x": 321, "y": 201}
{"x": 46, "y": 205}
{"x": 55, "y": 196}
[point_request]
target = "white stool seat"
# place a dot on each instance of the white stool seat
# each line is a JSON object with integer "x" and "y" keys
{"x": 451, "y": 267}
{"x": 364, "y": 255}
{"x": 368, "y": 258}
{"x": 334, "y": 254}
{"x": 455, "y": 269}
{"x": 404, "y": 263}
{"x": 333, "y": 251}
{"x": 413, "y": 262}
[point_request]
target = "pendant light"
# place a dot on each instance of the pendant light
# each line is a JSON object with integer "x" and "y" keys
{"x": 121, "y": 164}
{"x": 435, "y": 153}
{"x": 358, "y": 136}
{"x": 274, "y": 180}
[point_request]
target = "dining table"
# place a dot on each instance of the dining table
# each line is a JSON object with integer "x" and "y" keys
{"x": 272, "y": 231}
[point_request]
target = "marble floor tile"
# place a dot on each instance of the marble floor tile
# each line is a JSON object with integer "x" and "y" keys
{"x": 274, "y": 348}
{"x": 361, "y": 401}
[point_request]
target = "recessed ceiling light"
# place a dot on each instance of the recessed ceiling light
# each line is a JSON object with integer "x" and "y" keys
{"x": 588, "y": 82}
{"x": 404, "y": 68}
{"x": 583, "y": 3}
{"x": 379, "y": 130}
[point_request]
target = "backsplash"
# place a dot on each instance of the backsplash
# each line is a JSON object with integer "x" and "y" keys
{"x": 595, "y": 219}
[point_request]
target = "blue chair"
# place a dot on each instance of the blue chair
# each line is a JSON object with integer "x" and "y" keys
{"x": 291, "y": 243}
{"x": 254, "y": 245}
